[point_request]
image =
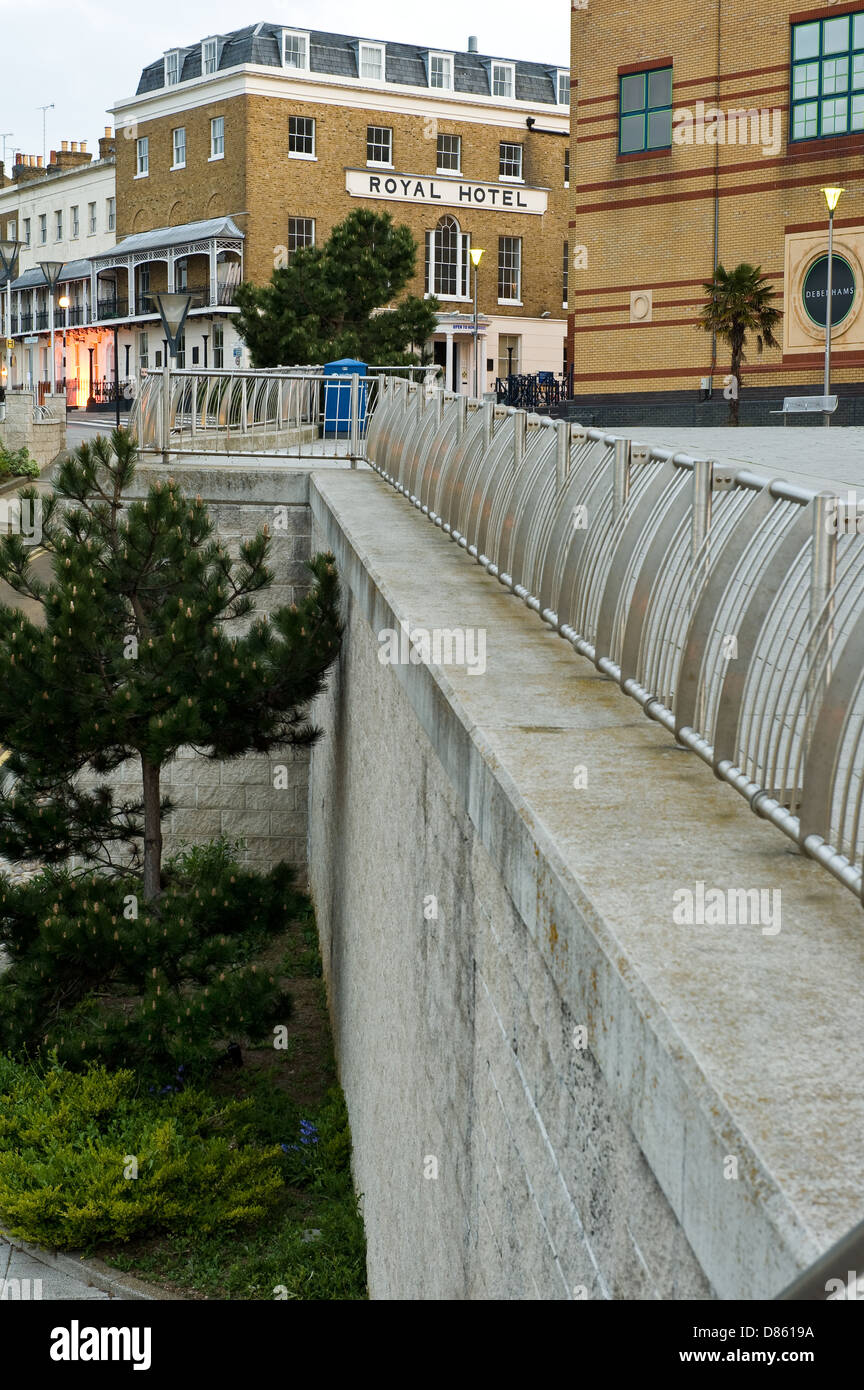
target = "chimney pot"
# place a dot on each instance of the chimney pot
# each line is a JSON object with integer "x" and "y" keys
{"x": 38, "y": 161}
{"x": 83, "y": 146}
{"x": 64, "y": 145}
{"x": 107, "y": 132}
{"x": 74, "y": 146}
{"x": 472, "y": 43}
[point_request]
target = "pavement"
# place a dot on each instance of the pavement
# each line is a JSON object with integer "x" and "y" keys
{"x": 810, "y": 455}
{"x": 27, "y": 1272}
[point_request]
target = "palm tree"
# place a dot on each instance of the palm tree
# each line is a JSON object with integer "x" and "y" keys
{"x": 740, "y": 303}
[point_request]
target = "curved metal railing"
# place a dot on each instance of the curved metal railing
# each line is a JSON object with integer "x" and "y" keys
{"x": 730, "y": 606}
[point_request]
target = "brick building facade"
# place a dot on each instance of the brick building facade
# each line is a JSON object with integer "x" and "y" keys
{"x": 703, "y": 136}
{"x": 286, "y": 131}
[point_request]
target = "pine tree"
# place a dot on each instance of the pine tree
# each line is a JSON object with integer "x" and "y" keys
{"x": 149, "y": 643}
{"x": 341, "y": 299}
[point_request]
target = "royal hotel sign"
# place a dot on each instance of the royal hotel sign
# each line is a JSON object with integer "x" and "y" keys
{"x": 445, "y": 192}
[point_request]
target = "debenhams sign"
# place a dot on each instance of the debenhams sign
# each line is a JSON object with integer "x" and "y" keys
{"x": 450, "y": 193}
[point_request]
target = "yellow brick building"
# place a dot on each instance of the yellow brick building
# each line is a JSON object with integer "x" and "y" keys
{"x": 702, "y": 135}
{"x": 285, "y": 131}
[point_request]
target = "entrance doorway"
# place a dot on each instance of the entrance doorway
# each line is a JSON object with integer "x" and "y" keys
{"x": 439, "y": 348}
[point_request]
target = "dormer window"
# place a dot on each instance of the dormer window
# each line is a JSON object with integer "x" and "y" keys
{"x": 172, "y": 68}
{"x": 502, "y": 80}
{"x": 562, "y": 87}
{"x": 370, "y": 62}
{"x": 295, "y": 50}
{"x": 209, "y": 57}
{"x": 440, "y": 71}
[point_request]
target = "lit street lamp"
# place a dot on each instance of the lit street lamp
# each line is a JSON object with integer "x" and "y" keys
{"x": 63, "y": 303}
{"x": 52, "y": 271}
{"x": 832, "y": 198}
{"x": 476, "y": 256}
{"x": 173, "y": 309}
{"x": 9, "y": 251}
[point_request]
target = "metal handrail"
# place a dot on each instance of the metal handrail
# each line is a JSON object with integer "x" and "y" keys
{"x": 723, "y": 602}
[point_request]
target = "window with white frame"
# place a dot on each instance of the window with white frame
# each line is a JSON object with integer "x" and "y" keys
{"x": 217, "y": 137}
{"x": 142, "y": 155}
{"x": 181, "y": 275}
{"x": 295, "y": 50}
{"x": 563, "y": 86}
{"x": 441, "y": 71}
{"x": 172, "y": 68}
{"x": 218, "y": 345}
{"x": 91, "y": 219}
{"x": 301, "y": 136}
{"x": 179, "y": 147}
{"x": 503, "y": 80}
{"x": 509, "y": 355}
{"x": 76, "y": 228}
{"x": 111, "y": 213}
{"x": 509, "y": 269}
{"x": 143, "y": 350}
{"x": 26, "y": 237}
{"x": 379, "y": 145}
{"x": 370, "y": 63}
{"x": 209, "y": 56}
{"x": 301, "y": 232}
{"x": 12, "y": 230}
{"x": 43, "y": 228}
{"x": 180, "y": 360}
{"x": 447, "y": 260}
{"x": 58, "y": 226}
{"x": 449, "y": 158}
{"x": 509, "y": 161}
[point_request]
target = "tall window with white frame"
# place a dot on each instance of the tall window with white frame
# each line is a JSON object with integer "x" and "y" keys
{"x": 563, "y": 92}
{"x": 143, "y": 350}
{"x": 75, "y": 228}
{"x": 441, "y": 71}
{"x": 179, "y": 147}
{"x": 295, "y": 50}
{"x": 379, "y": 145}
{"x": 172, "y": 68}
{"x": 510, "y": 161}
{"x": 111, "y": 213}
{"x": 43, "y": 228}
{"x": 503, "y": 81}
{"x": 301, "y": 136}
{"x": 142, "y": 157}
{"x": 447, "y": 260}
{"x": 509, "y": 270}
{"x": 218, "y": 345}
{"x": 301, "y": 232}
{"x": 58, "y": 226}
{"x": 449, "y": 159}
{"x": 91, "y": 219}
{"x": 371, "y": 62}
{"x": 217, "y": 137}
{"x": 26, "y": 237}
{"x": 209, "y": 57}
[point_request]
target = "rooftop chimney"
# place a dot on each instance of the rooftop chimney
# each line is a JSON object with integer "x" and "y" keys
{"x": 74, "y": 146}
{"x": 472, "y": 43}
{"x": 108, "y": 132}
{"x": 64, "y": 145}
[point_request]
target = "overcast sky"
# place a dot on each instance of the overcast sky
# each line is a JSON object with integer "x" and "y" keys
{"x": 82, "y": 55}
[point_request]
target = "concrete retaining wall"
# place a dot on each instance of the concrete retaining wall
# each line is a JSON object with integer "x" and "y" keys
{"x": 555, "y": 1090}
{"x": 45, "y": 439}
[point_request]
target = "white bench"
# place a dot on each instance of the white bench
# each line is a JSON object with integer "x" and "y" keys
{"x": 807, "y": 405}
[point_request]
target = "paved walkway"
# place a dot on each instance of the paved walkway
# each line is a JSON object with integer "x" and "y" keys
{"x": 807, "y": 454}
{"x": 46, "y": 1280}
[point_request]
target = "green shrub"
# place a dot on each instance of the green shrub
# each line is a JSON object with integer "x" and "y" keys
{"x": 94, "y": 975}
{"x": 17, "y": 463}
{"x": 66, "y": 1141}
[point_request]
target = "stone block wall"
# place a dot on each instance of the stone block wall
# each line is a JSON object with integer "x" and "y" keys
{"x": 45, "y": 439}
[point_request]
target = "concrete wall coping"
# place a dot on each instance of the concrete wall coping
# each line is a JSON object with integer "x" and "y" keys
{"x": 717, "y": 1043}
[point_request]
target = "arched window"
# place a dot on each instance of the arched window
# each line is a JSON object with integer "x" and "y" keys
{"x": 447, "y": 260}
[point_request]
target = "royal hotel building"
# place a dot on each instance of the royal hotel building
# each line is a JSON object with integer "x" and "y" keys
{"x": 702, "y": 134}
{"x": 285, "y": 131}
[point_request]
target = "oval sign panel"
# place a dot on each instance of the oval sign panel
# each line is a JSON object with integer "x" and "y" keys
{"x": 842, "y": 290}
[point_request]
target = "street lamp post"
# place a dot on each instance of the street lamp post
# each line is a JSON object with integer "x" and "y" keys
{"x": 173, "y": 309}
{"x": 476, "y": 256}
{"x": 832, "y": 198}
{"x": 52, "y": 271}
{"x": 9, "y": 251}
{"x": 63, "y": 303}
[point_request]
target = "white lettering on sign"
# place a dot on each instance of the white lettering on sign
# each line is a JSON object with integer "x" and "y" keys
{"x": 452, "y": 193}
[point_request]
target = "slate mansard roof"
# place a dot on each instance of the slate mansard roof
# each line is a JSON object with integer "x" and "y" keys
{"x": 336, "y": 55}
